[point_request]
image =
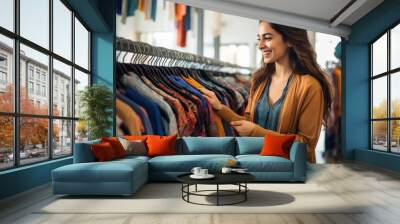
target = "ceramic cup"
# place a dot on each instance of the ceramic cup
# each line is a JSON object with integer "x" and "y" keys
{"x": 203, "y": 172}
{"x": 196, "y": 171}
{"x": 226, "y": 170}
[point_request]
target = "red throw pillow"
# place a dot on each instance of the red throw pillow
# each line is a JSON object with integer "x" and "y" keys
{"x": 277, "y": 145}
{"x": 116, "y": 145}
{"x": 103, "y": 151}
{"x": 161, "y": 145}
{"x": 135, "y": 137}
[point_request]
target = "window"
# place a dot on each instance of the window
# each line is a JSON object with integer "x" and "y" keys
{"x": 3, "y": 72}
{"x": 43, "y": 90}
{"x": 30, "y": 87}
{"x": 385, "y": 95}
{"x": 7, "y": 14}
{"x": 34, "y": 25}
{"x": 30, "y": 72}
{"x": 7, "y": 90}
{"x": 45, "y": 131}
{"x": 3, "y": 78}
{"x": 37, "y": 74}
{"x": 3, "y": 61}
{"x": 38, "y": 89}
{"x": 81, "y": 45}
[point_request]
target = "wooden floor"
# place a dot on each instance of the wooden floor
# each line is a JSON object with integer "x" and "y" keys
{"x": 378, "y": 188}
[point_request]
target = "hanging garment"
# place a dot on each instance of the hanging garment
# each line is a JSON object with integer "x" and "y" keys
{"x": 217, "y": 119}
{"x": 119, "y": 122}
{"x": 204, "y": 104}
{"x": 190, "y": 110}
{"x": 187, "y": 18}
{"x": 153, "y": 9}
{"x": 184, "y": 126}
{"x": 171, "y": 10}
{"x": 130, "y": 118}
{"x": 147, "y": 9}
{"x": 180, "y": 12}
{"x": 142, "y": 5}
{"x": 151, "y": 108}
{"x": 124, "y": 11}
{"x": 118, "y": 6}
{"x": 136, "y": 83}
{"x": 140, "y": 111}
{"x": 132, "y": 7}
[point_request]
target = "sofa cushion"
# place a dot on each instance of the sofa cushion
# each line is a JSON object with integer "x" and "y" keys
{"x": 185, "y": 163}
{"x": 83, "y": 152}
{"x": 257, "y": 163}
{"x": 249, "y": 145}
{"x": 206, "y": 145}
{"x": 111, "y": 171}
{"x": 103, "y": 152}
{"x": 161, "y": 145}
{"x": 116, "y": 145}
{"x": 277, "y": 145}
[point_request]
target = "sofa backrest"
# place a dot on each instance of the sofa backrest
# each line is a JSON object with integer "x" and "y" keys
{"x": 206, "y": 145}
{"x": 190, "y": 146}
{"x": 249, "y": 145}
{"x": 83, "y": 152}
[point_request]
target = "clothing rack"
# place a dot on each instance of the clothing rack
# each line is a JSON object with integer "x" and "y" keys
{"x": 143, "y": 53}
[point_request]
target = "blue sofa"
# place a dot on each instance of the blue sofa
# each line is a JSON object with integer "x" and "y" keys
{"x": 125, "y": 176}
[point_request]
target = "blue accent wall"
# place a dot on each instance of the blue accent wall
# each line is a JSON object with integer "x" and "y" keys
{"x": 356, "y": 124}
{"x": 103, "y": 53}
{"x": 99, "y": 16}
{"x": 24, "y": 178}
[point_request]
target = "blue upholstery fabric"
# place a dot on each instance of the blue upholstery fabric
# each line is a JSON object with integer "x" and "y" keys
{"x": 298, "y": 155}
{"x": 83, "y": 152}
{"x": 119, "y": 177}
{"x": 206, "y": 145}
{"x": 249, "y": 145}
{"x": 257, "y": 163}
{"x": 126, "y": 175}
{"x": 185, "y": 163}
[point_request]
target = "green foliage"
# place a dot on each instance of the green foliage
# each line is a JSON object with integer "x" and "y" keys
{"x": 96, "y": 102}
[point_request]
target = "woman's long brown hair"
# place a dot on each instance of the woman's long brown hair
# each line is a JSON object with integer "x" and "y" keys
{"x": 303, "y": 61}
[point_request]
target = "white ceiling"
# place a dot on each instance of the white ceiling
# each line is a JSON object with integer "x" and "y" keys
{"x": 315, "y": 15}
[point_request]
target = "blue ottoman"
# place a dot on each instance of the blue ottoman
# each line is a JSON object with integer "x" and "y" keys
{"x": 118, "y": 177}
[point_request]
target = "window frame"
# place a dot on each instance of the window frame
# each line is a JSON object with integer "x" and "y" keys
{"x": 388, "y": 74}
{"x": 16, "y": 114}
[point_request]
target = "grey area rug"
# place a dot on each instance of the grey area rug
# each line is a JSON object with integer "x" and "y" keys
{"x": 166, "y": 198}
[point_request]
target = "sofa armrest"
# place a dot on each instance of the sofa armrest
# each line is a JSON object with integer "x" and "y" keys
{"x": 83, "y": 152}
{"x": 298, "y": 156}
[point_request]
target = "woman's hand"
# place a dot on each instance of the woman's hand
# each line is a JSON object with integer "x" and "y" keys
{"x": 243, "y": 127}
{"x": 211, "y": 98}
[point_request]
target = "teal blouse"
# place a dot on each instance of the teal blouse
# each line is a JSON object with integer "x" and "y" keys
{"x": 267, "y": 115}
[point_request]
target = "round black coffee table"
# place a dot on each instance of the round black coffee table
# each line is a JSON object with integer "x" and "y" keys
{"x": 238, "y": 179}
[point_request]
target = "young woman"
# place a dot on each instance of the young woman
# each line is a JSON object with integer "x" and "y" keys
{"x": 289, "y": 94}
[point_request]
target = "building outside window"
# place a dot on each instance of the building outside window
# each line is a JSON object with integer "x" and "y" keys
{"x": 30, "y": 72}
{"x": 30, "y": 87}
{"x": 57, "y": 134}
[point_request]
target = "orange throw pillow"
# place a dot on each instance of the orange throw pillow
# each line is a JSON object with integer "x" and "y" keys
{"x": 277, "y": 145}
{"x": 116, "y": 145}
{"x": 103, "y": 151}
{"x": 135, "y": 137}
{"x": 161, "y": 145}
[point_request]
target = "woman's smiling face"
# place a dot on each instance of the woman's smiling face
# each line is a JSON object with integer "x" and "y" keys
{"x": 271, "y": 43}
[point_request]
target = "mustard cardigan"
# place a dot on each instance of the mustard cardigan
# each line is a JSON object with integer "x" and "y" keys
{"x": 301, "y": 113}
